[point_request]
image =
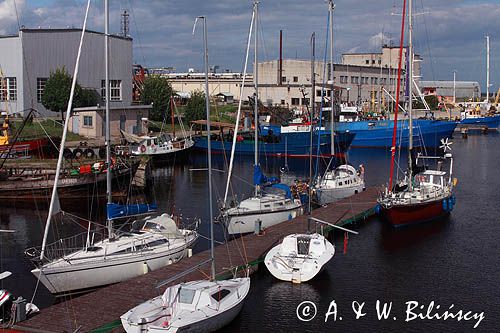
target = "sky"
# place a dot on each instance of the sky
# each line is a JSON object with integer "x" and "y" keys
{"x": 448, "y": 34}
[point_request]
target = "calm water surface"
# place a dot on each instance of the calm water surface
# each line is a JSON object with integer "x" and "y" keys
{"x": 453, "y": 261}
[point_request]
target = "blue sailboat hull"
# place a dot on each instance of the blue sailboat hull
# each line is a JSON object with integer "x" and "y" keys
{"x": 378, "y": 134}
{"x": 289, "y": 144}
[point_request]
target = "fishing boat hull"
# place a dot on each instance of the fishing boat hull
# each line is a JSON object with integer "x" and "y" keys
{"x": 289, "y": 144}
{"x": 24, "y": 148}
{"x": 378, "y": 134}
{"x": 23, "y": 190}
{"x": 492, "y": 122}
{"x": 68, "y": 276}
{"x": 410, "y": 214}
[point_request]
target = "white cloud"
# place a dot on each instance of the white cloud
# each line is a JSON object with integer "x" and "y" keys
{"x": 376, "y": 41}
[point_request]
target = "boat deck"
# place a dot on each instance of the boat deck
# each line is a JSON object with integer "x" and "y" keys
{"x": 100, "y": 310}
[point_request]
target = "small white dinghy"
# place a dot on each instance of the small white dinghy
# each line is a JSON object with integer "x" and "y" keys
{"x": 195, "y": 306}
{"x": 300, "y": 257}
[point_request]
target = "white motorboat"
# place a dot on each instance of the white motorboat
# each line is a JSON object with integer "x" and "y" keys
{"x": 267, "y": 209}
{"x": 91, "y": 259}
{"x": 339, "y": 183}
{"x": 157, "y": 244}
{"x": 161, "y": 145}
{"x": 299, "y": 257}
{"x": 7, "y": 305}
{"x": 194, "y": 306}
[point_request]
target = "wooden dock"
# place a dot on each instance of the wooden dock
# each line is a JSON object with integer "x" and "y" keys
{"x": 100, "y": 311}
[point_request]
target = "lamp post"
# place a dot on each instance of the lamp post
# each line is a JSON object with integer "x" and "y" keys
{"x": 454, "y": 86}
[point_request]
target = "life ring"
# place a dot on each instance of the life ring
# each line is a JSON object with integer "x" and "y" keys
{"x": 143, "y": 148}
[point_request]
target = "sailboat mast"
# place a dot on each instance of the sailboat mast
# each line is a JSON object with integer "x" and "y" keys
{"x": 108, "y": 123}
{"x": 313, "y": 84}
{"x": 256, "y": 87}
{"x": 209, "y": 147}
{"x": 54, "y": 200}
{"x": 331, "y": 7}
{"x": 487, "y": 68}
{"x": 410, "y": 104}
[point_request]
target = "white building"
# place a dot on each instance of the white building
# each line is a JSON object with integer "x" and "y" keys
{"x": 28, "y": 58}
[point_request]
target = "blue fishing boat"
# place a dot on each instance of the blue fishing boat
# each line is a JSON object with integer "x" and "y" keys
{"x": 378, "y": 133}
{"x": 272, "y": 142}
{"x": 492, "y": 122}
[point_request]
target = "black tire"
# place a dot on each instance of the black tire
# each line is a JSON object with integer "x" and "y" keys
{"x": 89, "y": 153}
{"x": 77, "y": 153}
{"x": 67, "y": 153}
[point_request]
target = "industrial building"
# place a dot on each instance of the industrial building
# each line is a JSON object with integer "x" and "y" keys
{"x": 445, "y": 90}
{"x": 28, "y": 58}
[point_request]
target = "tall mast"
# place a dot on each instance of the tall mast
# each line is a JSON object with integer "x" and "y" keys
{"x": 311, "y": 101}
{"x": 108, "y": 126}
{"x": 410, "y": 106}
{"x": 256, "y": 86}
{"x": 54, "y": 200}
{"x": 487, "y": 68}
{"x": 331, "y": 7}
{"x": 209, "y": 146}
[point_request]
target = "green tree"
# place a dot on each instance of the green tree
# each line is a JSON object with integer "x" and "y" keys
{"x": 56, "y": 92}
{"x": 157, "y": 90}
{"x": 195, "y": 107}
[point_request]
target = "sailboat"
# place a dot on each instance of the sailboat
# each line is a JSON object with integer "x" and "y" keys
{"x": 67, "y": 265}
{"x": 422, "y": 196}
{"x": 474, "y": 117}
{"x": 263, "y": 208}
{"x": 194, "y": 306}
{"x": 342, "y": 181}
{"x": 163, "y": 145}
{"x": 300, "y": 257}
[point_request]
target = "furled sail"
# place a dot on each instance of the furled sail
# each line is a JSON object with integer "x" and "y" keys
{"x": 116, "y": 211}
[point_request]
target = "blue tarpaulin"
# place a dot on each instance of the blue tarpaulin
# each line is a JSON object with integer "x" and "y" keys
{"x": 259, "y": 178}
{"x": 284, "y": 188}
{"x": 117, "y": 211}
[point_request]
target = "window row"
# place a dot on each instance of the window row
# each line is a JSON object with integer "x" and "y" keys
{"x": 8, "y": 89}
{"x": 115, "y": 87}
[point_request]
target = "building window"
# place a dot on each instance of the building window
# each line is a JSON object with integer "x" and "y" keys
{"x": 87, "y": 121}
{"x": 373, "y": 62}
{"x": 115, "y": 87}
{"x": 283, "y": 79}
{"x": 295, "y": 79}
{"x": 352, "y": 79}
{"x": 295, "y": 101}
{"x": 318, "y": 93}
{"x": 379, "y": 61}
{"x": 305, "y": 101}
{"x": 367, "y": 62}
{"x": 40, "y": 85}
{"x": 282, "y": 102}
{"x": 8, "y": 89}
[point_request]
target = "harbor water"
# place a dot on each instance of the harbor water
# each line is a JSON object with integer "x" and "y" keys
{"x": 452, "y": 263}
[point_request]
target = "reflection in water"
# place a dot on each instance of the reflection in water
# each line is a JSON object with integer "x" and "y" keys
{"x": 453, "y": 261}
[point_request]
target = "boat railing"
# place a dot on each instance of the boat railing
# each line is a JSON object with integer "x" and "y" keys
{"x": 66, "y": 246}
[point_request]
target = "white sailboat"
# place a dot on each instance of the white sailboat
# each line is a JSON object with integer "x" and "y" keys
{"x": 90, "y": 260}
{"x": 300, "y": 257}
{"x": 343, "y": 181}
{"x": 264, "y": 209}
{"x": 194, "y": 306}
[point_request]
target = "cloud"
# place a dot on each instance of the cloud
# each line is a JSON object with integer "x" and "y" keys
{"x": 450, "y": 36}
{"x": 376, "y": 41}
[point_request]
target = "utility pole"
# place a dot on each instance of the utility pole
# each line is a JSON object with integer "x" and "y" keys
{"x": 454, "y": 86}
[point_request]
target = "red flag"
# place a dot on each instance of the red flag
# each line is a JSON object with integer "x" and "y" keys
{"x": 346, "y": 239}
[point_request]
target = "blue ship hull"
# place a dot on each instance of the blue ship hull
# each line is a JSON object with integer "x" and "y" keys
{"x": 291, "y": 144}
{"x": 378, "y": 134}
{"x": 491, "y": 122}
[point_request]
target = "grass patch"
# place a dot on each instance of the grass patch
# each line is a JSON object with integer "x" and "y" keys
{"x": 40, "y": 129}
